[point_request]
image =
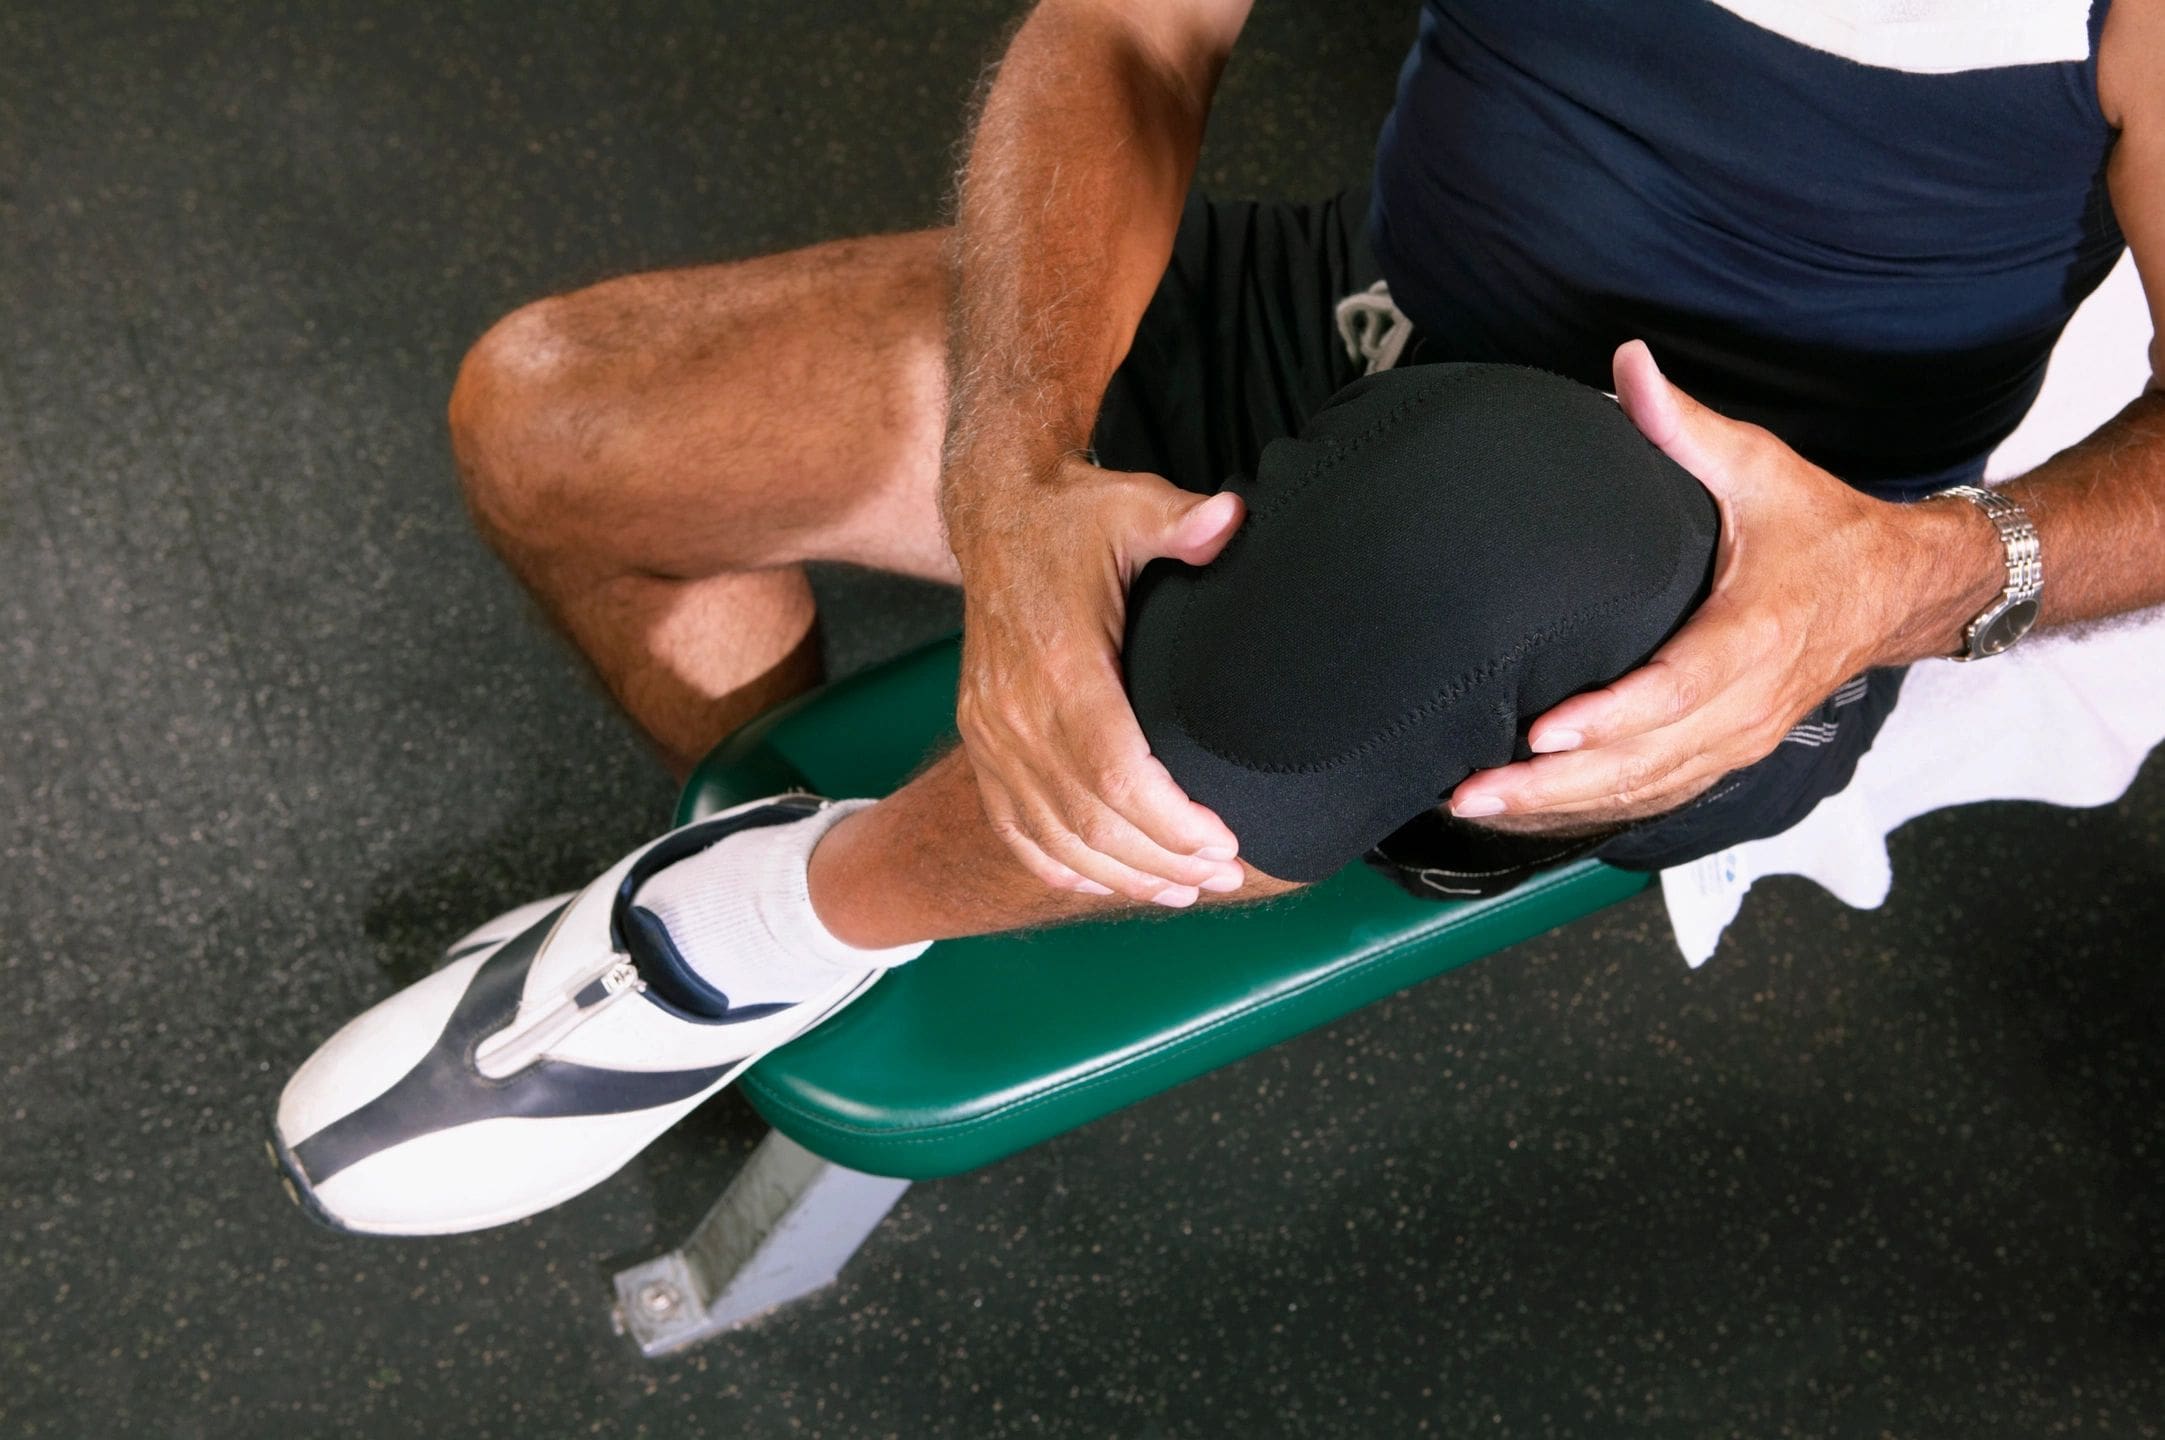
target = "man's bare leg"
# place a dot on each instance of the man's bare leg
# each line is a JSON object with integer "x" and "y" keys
{"x": 924, "y": 864}
{"x": 657, "y": 456}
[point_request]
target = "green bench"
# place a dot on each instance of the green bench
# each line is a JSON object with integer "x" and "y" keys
{"x": 985, "y": 1047}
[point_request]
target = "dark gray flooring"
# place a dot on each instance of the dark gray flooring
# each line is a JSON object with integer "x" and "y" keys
{"x": 275, "y": 727}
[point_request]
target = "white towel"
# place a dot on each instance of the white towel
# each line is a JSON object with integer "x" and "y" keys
{"x": 2059, "y": 719}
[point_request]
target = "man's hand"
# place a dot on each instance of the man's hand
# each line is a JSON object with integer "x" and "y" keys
{"x": 1067, "y": 778}
{"x": 1814, "y": 582}
{"x": 1079, "y": 164}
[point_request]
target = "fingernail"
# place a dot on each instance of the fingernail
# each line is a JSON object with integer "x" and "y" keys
{"x": 1091, "y": 887}
{"x": 1216, "y": 852}
{"x": 1225, "y": 883}
{"x": 1552, "y": 741}
{"x": 1476, "y": 805}
{"x": 1175, "y": 897}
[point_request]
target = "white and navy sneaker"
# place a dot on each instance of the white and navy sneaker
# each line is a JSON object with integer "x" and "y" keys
{"x": 531, "y": 1067}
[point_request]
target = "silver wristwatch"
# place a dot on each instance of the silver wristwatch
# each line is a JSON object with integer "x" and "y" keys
{"x": 2007, "y": 619}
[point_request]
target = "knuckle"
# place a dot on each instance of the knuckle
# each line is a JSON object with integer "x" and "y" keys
{"x": 1066, "y": 849}
{"x": 1763, "y": 724}
{"x": 1096, "y": 831}
{"x": 1529, "y": 795}
{"x": 1768, "y": 632}
{"x": 1637, "y": 775}
{"x": 1687, "y": 687}
{"x": 1116, "y": 785}
{"x": 1007, "y": 722}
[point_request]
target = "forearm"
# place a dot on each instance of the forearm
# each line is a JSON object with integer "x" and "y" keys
{"x": 2099, "y": 508}
{"x": 1077, "y": 170}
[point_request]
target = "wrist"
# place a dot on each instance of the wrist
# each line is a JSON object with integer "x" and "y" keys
{"x": 1951, "y": 566}
{"x": 993, "y": 497}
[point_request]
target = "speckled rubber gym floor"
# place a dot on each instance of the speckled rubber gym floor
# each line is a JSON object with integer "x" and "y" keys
{"x": 273, "y": 726}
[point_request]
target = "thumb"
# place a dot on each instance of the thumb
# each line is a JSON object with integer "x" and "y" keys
{"x": 1186, "y": 527}
{"x": 1704, "y": 442}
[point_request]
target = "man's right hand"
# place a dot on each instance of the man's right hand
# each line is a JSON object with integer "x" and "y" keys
{"x": 1067, "y": 778}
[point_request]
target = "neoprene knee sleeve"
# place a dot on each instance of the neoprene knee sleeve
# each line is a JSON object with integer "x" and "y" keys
{"x": 1444, "y": 553}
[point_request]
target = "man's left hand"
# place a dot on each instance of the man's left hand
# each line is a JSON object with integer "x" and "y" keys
{"x": 1814, "y": 582}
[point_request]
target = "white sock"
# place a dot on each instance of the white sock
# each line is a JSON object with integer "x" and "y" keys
{"x": 740, "y": 914}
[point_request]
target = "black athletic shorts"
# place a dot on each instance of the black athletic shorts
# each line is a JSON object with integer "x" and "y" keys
{"x": 1240, "y": 346}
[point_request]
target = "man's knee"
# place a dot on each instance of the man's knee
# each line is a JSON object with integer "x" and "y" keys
{"x": 524, "y": 394}
{"x": 1442, "y": 555}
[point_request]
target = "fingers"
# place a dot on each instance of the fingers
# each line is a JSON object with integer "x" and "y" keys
{"x": 1125, "y": 807}
{"x": 1708, "y": 444}
{"x": 1073, "y": 841}
{"x": 1725, "y": 652}
{"x": 1102, "y": 847}
{"x": 1715, "y": 725}
{"x": 1079, "y": 797}
{"x": 1206, "y": 527}
{"x": 1180, "y": 525}
{"x": 1724, "y": 688}
{"x": 1000, "y": 813}
{"x": 1623, "y": 782}
{"x": 1067, "y": 774}
{"x": 1704, "y": 694}
{"x": 1715, "y": 649}
{"x": 1660, "y": 692}
{"x": 1112, "y": 769}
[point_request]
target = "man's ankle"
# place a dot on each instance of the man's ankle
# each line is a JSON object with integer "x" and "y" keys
{"x": 852, "y": 910}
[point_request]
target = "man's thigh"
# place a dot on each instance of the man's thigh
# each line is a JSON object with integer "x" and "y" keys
{"x": 720, "y": 418}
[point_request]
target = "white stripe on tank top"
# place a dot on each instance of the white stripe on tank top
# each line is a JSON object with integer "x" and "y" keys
{"x": 1929, "y": 37}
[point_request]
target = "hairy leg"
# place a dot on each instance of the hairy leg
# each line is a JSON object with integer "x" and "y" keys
{"x": 924, "y": 864}
{"x": 656, "y": 457}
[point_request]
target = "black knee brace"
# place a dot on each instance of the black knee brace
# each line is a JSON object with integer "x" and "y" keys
{"x": 1443, "y": 554}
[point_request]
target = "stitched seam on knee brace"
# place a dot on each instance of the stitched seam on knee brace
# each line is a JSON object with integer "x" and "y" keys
{"x": 1339, "y": 450}
{"x": 1442, "y": 698}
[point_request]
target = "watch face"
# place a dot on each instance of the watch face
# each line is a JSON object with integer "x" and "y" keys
{"x": 2007, "y": 627}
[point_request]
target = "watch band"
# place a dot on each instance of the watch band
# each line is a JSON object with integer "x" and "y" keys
{"x": 2025, "y": 572}
{"x": 2025, "y": 564}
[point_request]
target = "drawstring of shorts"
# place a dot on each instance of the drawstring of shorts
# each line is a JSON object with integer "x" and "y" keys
{"x": 1374, "y": 329}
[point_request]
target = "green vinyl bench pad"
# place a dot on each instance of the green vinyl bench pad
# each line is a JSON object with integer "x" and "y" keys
{"x": 984, "y": 1047}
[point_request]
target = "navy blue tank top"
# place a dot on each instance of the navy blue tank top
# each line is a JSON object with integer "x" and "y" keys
{"x": 1871, "y": 263}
